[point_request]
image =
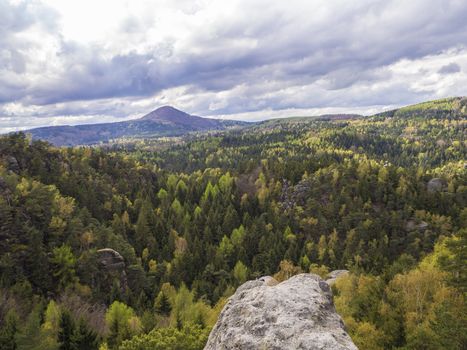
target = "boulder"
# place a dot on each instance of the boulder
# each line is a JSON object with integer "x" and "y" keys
{"x": 295, "y": 314}
{"x": 435, "y": 185}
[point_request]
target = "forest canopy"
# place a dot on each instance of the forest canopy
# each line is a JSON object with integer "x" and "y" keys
{"x": 138, "y": 245}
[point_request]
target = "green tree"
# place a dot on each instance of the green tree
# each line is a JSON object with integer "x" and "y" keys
{"x": 144, "y": 229}
{"x": 64, "y": 264}
{"x": 52, "y": 318}
{"x": 455, "y": 261}
{"x": 240, "y": 272}
{"x": 84, "y": 338}
{"x": 162, "y": 304}
{"x": 31, "y": 336}
{"x": 66, "y": 332}
{"x": 122, "y": 323}
{"x": 8, "y": 331}
{"x": 189, "y": 337}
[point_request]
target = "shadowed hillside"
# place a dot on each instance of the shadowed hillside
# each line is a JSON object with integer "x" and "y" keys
{"x": 164, "y": 121}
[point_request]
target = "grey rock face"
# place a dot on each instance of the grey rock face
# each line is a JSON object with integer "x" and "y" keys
{"x": 295, "y": 314}
{"x": 111, "y": 259}
{"x": 113, "y": 264}
{"x": 12, "y": 164}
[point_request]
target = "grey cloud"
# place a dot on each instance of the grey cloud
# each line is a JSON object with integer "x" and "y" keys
{"x": 96, "y": 78}
{"x": 269, "y": 47}
{"x": 450, "y": 68}
{"x": 220, "y": 66}
{"x": 15, "y": 18}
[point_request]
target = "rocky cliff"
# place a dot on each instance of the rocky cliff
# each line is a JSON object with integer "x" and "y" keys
{"x": 295, "y": 314}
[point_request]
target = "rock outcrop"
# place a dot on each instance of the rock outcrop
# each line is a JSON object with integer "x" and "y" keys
{"x": 111, "y": 259}
{"x": 113, "y": 266}
{"x": 11, "y": 163}
{"x": 295, "y": 314}
{"x": 435, "y": 185}
{"x": 415, "y": 224}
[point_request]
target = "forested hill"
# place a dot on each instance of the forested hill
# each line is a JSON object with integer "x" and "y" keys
{"x": 448, "y": 107}
{"x": 138, "y": 246}
{"x": 164, "y": 121}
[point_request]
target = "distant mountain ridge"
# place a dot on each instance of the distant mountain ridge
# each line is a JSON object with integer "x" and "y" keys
{"x": 169, "y": 121}
{"x": 164, "y": 121}
{"x": 171, "y": 115}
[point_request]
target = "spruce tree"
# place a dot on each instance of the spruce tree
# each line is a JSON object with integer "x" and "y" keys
{"x": 66, "y": 332}
{"x": 84, "y": 338}
{"x": 162, "y": 304}
{"x": 8, "y": 331}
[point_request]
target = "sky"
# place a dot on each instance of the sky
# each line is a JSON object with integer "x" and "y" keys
{"x": 88, "y": 61}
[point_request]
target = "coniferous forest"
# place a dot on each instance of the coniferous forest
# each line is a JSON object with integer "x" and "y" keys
{"x": 137, "y": 244}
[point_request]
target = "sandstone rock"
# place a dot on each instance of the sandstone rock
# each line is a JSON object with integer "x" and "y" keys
{"x": 268, "y": 280}
{"x": 295, "y": 314}
{"x": 413, "y": 224}
{"x": 334, "y": 275}
{"x": 435, "y": 185}
{"x": 13, "y": 164}
{"x": 3, "y": 185}
{"x": 113, "y": 265}
{"x": 111, "y": 259}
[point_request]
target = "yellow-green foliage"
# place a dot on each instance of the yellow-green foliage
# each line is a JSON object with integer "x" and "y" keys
{"x": 286, "y": 270}
{"x": 185, "y": 310}
{"x": 320, "y": 270}
{"x": 442, "y": 104}
{"x": 240, "y": 272}
{"x": 217, "y": 209}
{"x": 418, "y": 307}
{"x": 190, "y": 337}
{"x": 365, "y": 334}
{"x": 52, "y": 318}
{"x": 122, "y": 323}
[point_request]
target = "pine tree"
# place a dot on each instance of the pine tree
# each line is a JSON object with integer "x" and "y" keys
{"x": 8, "y": 331}
{"x": 84, "y": 338}
{"x": 66, "y": 332}
{"x": 65, "y": 263}
{"x": 144, "y": 228}
{"x": 162, "y": 304}
{"x": 6, "y": 224}
{"x": 240, "y": 272}
{"x": 118, "y": 319}
{"x": 457, "y": 263}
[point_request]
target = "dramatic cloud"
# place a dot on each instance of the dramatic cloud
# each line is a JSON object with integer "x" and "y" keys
{"x": 64, "y": 62}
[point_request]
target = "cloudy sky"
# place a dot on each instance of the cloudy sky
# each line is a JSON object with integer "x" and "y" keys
{"x": 87, "y": 61}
